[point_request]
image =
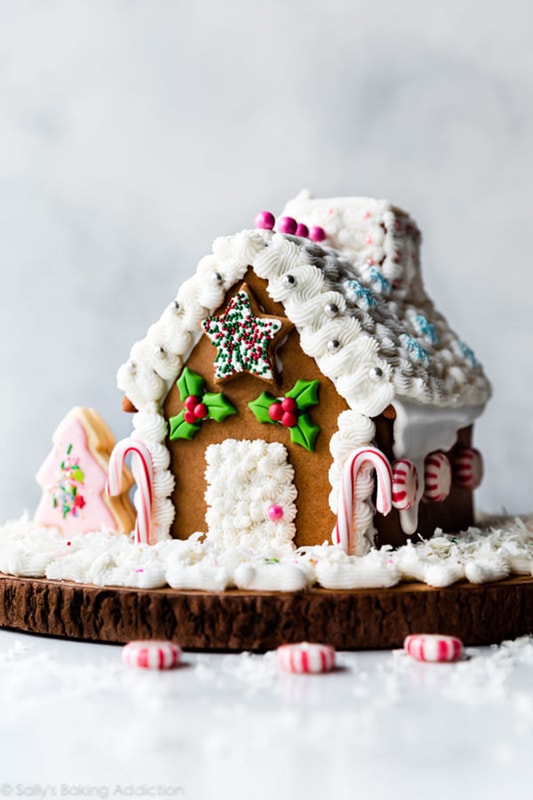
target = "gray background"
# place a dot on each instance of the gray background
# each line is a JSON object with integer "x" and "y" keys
{"x": 132, "y": 133}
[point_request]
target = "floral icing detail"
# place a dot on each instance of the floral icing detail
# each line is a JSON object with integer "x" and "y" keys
{"x": 200, "y": 406}
{"x": 70, "y": 481}
{"x": 291, "y": 412}
{"x": 426, "y": 329}
{"x": 469, "y": 354}
{"x": 242, "y": 339}
{"x": 415, "y": 349}
{"x": 361, "y": 293}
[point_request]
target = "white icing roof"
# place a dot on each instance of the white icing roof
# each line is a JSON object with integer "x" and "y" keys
{"x": 357, "y": 301}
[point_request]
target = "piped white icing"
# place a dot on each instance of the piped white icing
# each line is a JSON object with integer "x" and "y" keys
{"x": 245, "y": 479}
{"x": 113, "y": 559}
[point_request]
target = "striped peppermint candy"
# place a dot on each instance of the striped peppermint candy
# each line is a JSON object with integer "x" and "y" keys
{"x": 437, "y": 477}
{"x": 151, "y": 655}
{"x": 358, "y": 466}
{"x": 468, "y": 468}
{"x": 433, "y": 647}
{"x": 142, "y": 469}
{"x": 404, "y": 484}
{"x": 306, "y": 658}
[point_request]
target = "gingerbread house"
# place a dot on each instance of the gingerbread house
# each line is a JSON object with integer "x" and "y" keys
{"x": 303, "y": 375}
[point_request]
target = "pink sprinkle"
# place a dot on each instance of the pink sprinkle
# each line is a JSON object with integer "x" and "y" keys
{"x": 317, "y": 234}
{"x": 302, "y": 230}
{"x": 265, "y": 220}
{"x": 275, "y": 513}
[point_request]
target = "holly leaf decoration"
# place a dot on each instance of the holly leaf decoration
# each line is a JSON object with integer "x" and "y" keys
{"x": 190, "y": 383}
{"x": 179, "y": 429}
{"x": 305, "y": 432}
{"x": 305, "y": 393}
{"x": 218, "y": 407}
{"x": 261, "y": 405}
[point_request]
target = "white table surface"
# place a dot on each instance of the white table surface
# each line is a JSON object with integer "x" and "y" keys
{"x": 76, "y": 723}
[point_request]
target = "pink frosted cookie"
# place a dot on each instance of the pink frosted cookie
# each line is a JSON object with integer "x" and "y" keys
{"x": 437, "y": 477}
{"x": 433, "y": 647}
{"x": 404, "y": 484}
{"x": 306, "y": 658}
{"x": 151, "y": 655}
{"x": 73, "y": 478}
{"x": 468, "y": 468}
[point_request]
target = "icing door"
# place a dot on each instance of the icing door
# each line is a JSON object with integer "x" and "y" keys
{"x": 250, "y": 494}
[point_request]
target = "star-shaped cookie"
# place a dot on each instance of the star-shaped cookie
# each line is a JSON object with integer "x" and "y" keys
{"x": 244, "y": 337}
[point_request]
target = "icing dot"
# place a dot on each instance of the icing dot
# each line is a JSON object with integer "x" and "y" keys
{"x": 333, "y": 345}
{"x": 275, "y": 411}
{"x": 289, "y": 419}
{"x": 331, "y": 310}
{"x": 376, "y": 373}
{"x": 189, "y": 417}
{"x": 275, "y": 513}
{"x": 302, "y": 230}
{"x": 191, "y": 402}
{"x": 317, "y": 234}
{"x": 289, "y": 280}
{"x": 200, "y": 411}
{"x": 287, "y": 225}
{"x": 265, "y": 220}
{"x": 289, "y": 404}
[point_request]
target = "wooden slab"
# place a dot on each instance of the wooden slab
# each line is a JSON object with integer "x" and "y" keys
{"x": 237, "y": 620}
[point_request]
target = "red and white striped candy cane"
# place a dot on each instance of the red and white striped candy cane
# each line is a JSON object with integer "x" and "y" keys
{"x": 358, "y": 465}
{"x": 142, "y": 469}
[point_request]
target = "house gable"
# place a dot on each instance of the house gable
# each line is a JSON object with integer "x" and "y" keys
{"x": 315, "y": 520}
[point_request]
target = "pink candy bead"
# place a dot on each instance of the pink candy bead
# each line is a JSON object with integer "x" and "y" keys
{"x": 151, "y": 655}
{"x": 433, "y": 647}
{"x": 317, "y": 234}
{"x": 275, "y": 513}
{"x": 287, "y": 225}
{"x": 306, "y": 658}
{"x": 302, "y": 230}
{"x": 265, "y": 220}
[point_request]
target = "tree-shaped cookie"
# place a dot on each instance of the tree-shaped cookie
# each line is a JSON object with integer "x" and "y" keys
{"x": 73, "y": 478}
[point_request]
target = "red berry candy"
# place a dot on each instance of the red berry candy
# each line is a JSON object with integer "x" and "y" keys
{"x": 275, "y": 411}
{"x": 289, "y": 404}
{"x": 289, "y": 419}
{"x": 189, "y": 417}
{"x": 200, "y": 411}
{"x": 191, "y": 402}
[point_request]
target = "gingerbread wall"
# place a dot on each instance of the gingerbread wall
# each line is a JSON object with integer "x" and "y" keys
{"x": 314, "y": 521}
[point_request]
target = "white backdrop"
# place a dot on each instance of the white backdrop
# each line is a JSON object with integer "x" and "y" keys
{"x": 135, "y": 131}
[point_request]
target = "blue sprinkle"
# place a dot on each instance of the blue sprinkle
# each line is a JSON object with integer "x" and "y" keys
{"x": 469, "y": 354}
{"x": 376, "y": 277}
{"x": 418, "y": 352}
{"x": 361, "y": 293}
{"x": 426, "y": 328}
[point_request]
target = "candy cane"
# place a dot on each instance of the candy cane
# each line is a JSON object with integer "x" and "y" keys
{"x": 364, "y": 459}
{"x": 141, "y": 467}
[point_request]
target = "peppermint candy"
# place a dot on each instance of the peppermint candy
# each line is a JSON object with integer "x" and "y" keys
{"x": 404, "y": 484}
{"x": 151, "y": 655}
{"x": 306, "y": 658}
{"x": 468, "y": 468}
{"x": 433, "y": 647}
{"x": 437, "y": 477}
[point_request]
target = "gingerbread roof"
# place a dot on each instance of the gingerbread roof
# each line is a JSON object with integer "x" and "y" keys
{"x": 356, "y": 299}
